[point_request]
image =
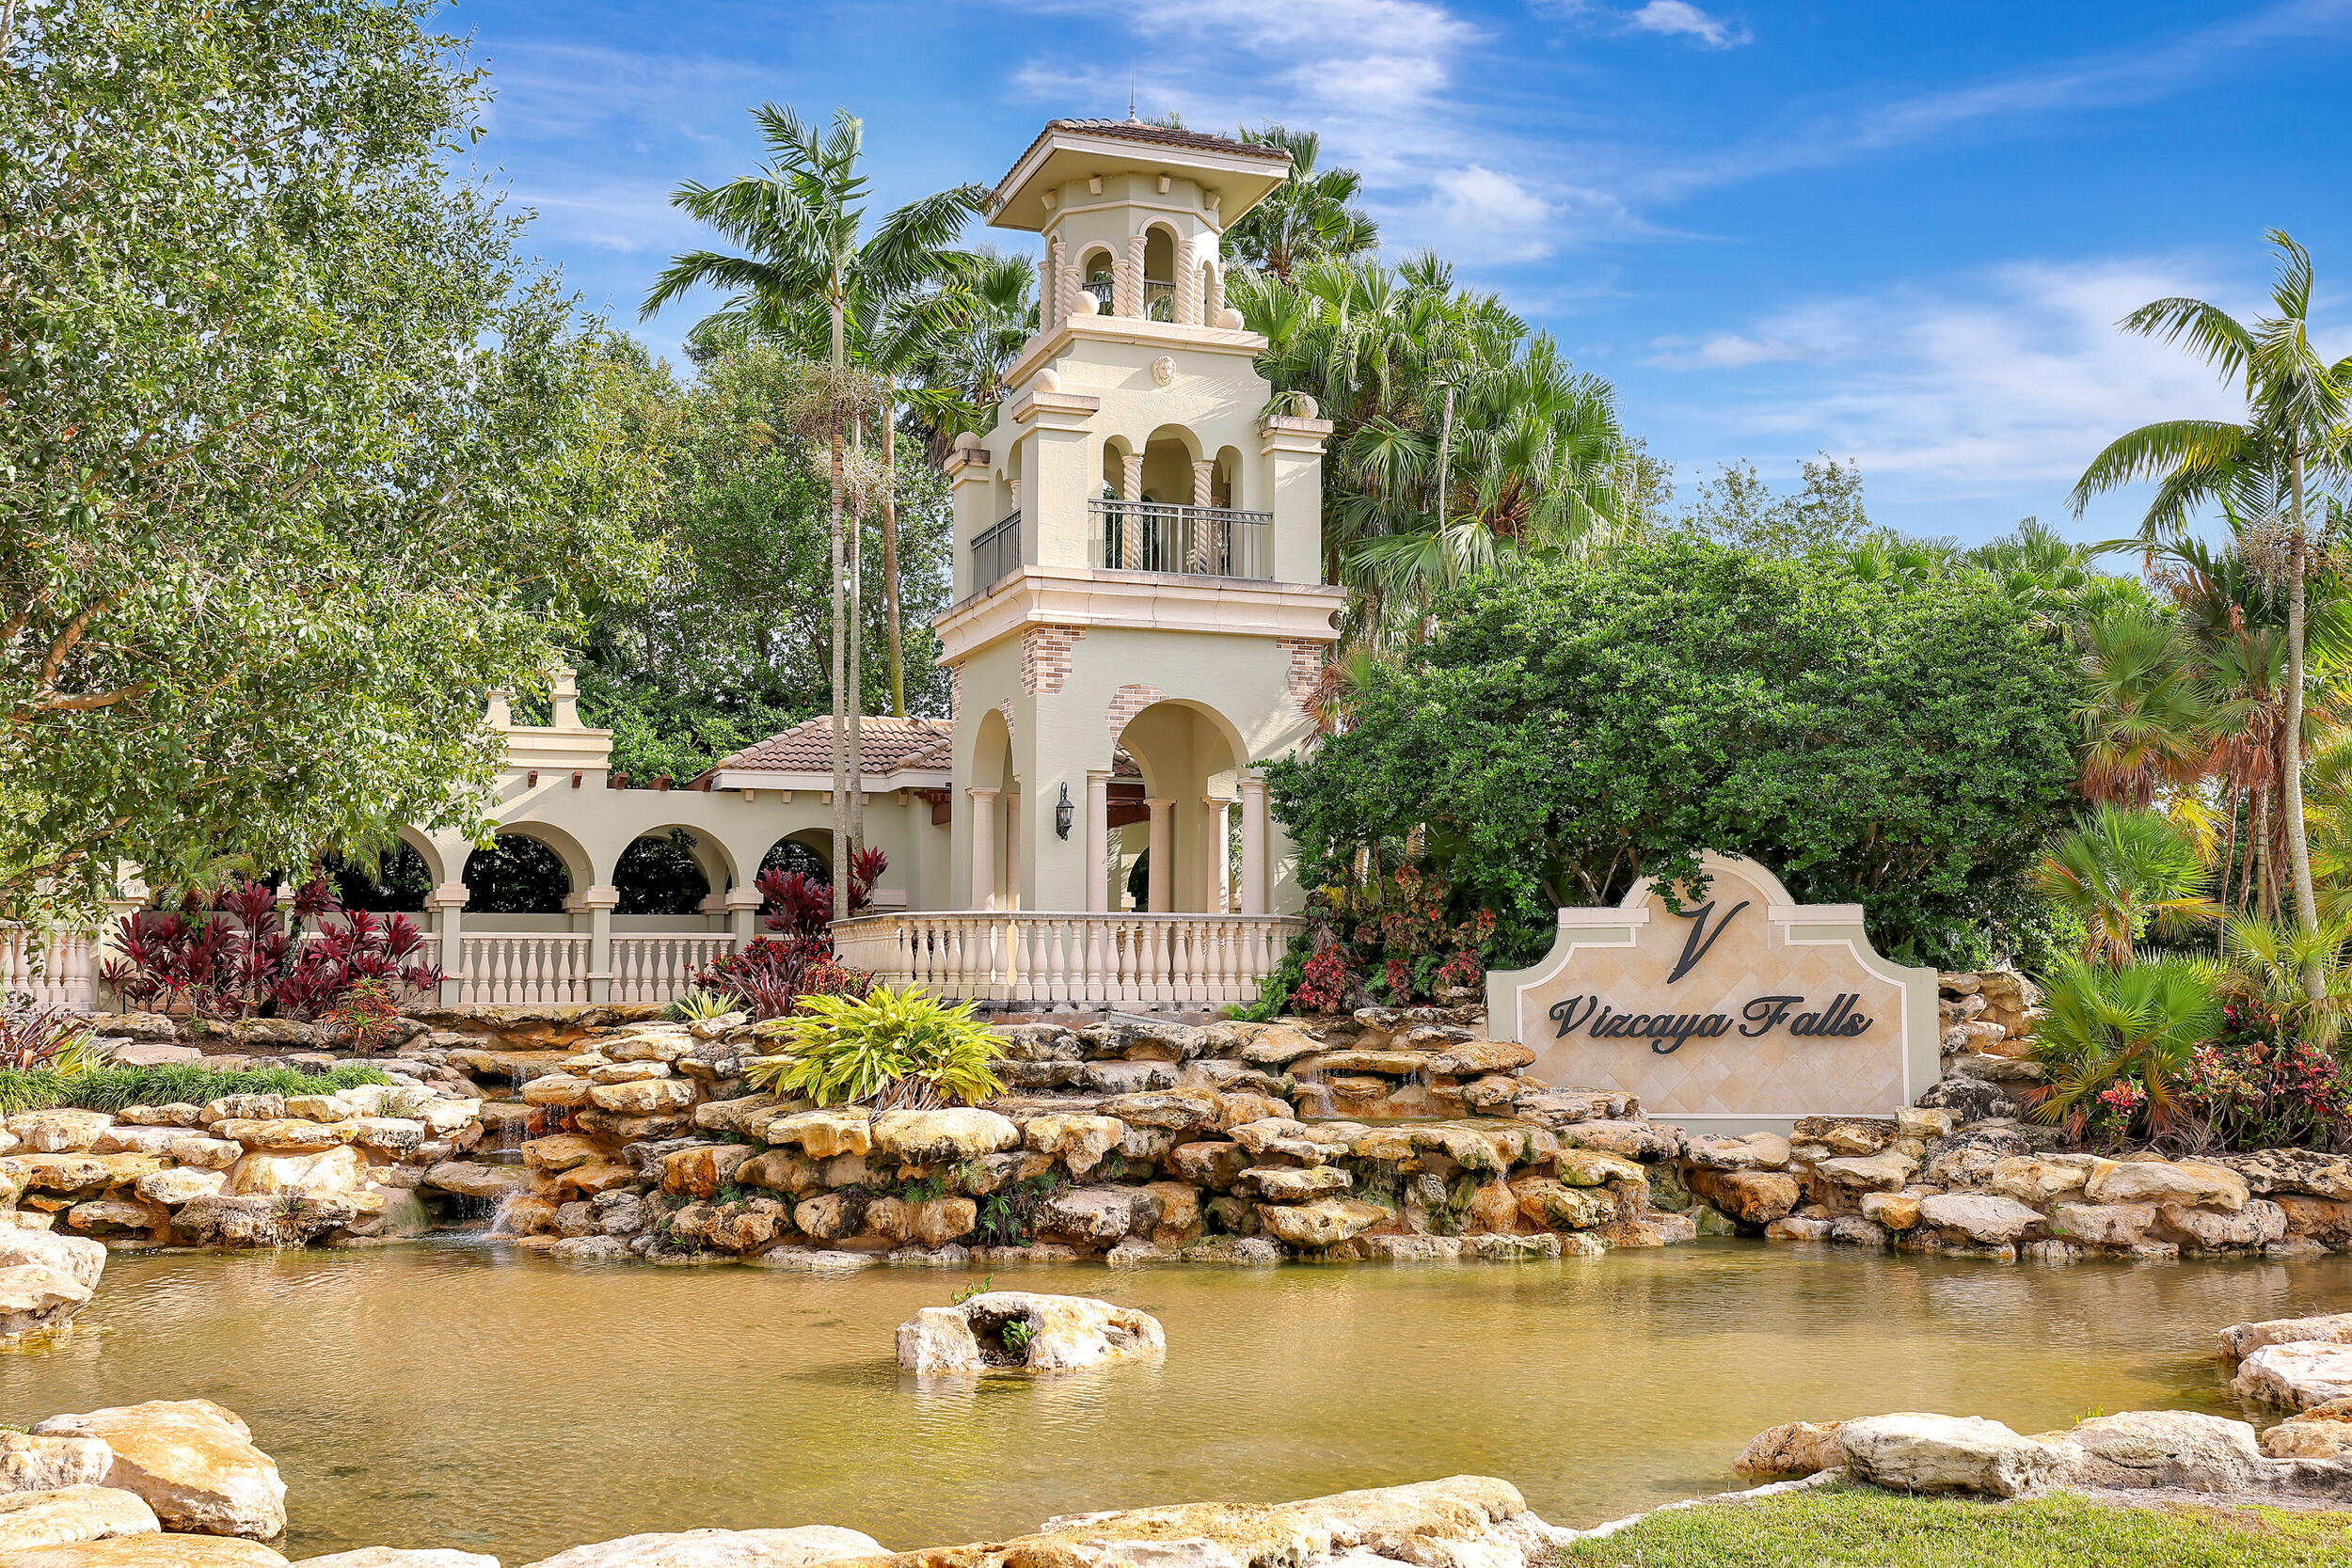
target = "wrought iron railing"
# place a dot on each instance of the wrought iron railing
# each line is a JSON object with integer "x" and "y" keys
{"x": 996, "y": 553}
{"x": 1159, "y": 299}
{"x": 1200, "y": 541}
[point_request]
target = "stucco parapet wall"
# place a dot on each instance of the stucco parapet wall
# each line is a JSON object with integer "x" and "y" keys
{"x": 1039, "y": 403}
{"x": 1063, "y": 153}
{"x": 872, "y": 784}
{"x": 1161, "y": 601}
{"x": 1128, "y": 329}
{"x": 1282, "y": 432}
{"x": 967, "y": 460}
{"x": 556, "y": 750}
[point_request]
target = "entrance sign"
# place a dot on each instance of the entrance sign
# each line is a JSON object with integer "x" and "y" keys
{"x": 1744, "y": 1009}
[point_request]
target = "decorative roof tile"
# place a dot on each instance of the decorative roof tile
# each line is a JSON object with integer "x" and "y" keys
{"x": 887, "y": 746}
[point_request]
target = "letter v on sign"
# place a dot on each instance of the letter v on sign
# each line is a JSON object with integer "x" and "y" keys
{"x": 1693, "y": 949}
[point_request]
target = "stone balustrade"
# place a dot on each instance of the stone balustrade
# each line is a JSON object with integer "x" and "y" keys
{"x": 1193, "y": 961}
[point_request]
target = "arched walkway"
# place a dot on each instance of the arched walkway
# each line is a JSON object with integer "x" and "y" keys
{"x": 1182, "y": 857}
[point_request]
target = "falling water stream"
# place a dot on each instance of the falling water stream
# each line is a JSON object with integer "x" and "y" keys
{"x": 477, "y": 1396}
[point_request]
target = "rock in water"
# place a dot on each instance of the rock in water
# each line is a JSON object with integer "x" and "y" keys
{"x": 2299, "y": 1375}
{"x": 721, "y": 1548}
{"x": 154, "y": 1551}
{"x": 1792, "y": 1449}
{"x": 30, "y": 1464}
{"x": 37, "y": 1299}
{"x": 395, "y": 1557}
{"x": 192, "y": 1461}
{"x": 2240, "y": 1340}
{"x": 1016, "y": 1331}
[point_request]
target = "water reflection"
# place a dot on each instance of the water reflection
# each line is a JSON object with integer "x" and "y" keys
{"x": 471, "y": 1396}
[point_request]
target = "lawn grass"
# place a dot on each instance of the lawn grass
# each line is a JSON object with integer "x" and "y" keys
{"x": 111, "y": 1088}
{"x": 1860, "y": 1527}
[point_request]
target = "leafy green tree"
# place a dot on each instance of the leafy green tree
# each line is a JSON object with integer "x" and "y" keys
{"x": 802, "y": 222}
{"x": 1899, "y": 743}
{"x": 2297, "y": 434}
{"x": 1739, "y": 508}
{"x": 299, "y": 454}
{"x": 1308, "y": 216}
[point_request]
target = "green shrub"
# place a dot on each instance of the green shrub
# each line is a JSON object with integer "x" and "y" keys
{"x": 892, "y": 1050}
{"x": 111, "y": 1088}
{"x": 2118, "y": 1042}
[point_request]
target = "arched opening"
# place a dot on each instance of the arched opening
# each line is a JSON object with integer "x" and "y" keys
{"x": 394, "y": 882}
{"x": 1100, "y": 271}
{"x": 1164, "y": 538}
{"x": 663, "y": 873}
{"x": 995, "y": 864}
{"x": 1159, "y": 273}
{"x": 1188, "y": 756}
{"x": 809, "y": 851}
{"x": 517, "y": 875}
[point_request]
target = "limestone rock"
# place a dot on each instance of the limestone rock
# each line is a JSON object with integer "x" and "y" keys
{"x": 2240, "y": 1340}
{"x": 2106, "y": 1224}
{"x": 1295, "y": 1140}
{"x": 1981, "y": 1218}
{"x": 2306, "y": 1172}
{"x": 1093, "y": 1216}
{"x": 469, "y": 1179}
{"x": 1643, "y": 1231}
{"x": 192, "y": 1461}
{"x": 1062, "y": 1334}
{"x": 2040, "y": 1180}
{"x": 1895, "y": 1211}
{"x": 2258, "y": 1224}
{"x": 2184, "y": 1450}
{"x": 1634, "y": 1140}
{"x": 2323, "y": 1220}
{"x": 2299, "y": 1375}
{"x": 1248, "y": 1251}
{"x": 1791, "y": 1449}
{"x": 1326, "y": 1222}
{"x": 1171, "y": 1110}
{"x": 1214, "y": 1166}
{"x": 335, "y": 1172}
{"x": 2322, "y": 1432}
{"x": 1551, "y": 1205}
{"x": 590, "y": 1249}
{"x": 650, "y": 1096}
{"x": 1749, "y": 1197}
{"x": 700, "y": 1169}
{"x": 1756, "y": 1151}
{"x": 70, "y": 1514}
{"x": 30, "y": 1464}
{"x": 825, "y": 1134}
{"x": 2181, "y": 1182}
{"x": 564, "y": 1151}
{"x": 1080, "y": 1142}
{"x": 1948, "y": 1453}
{"x": 1590, "y": 1167}
{"x": 1476, "y": 1058}
{"x": 1848, "y": 1137}
{"x": 288, "y": 1219}
{"x": 205, "y": 1153}
{"x": 76, "y": 1257}
{"x": 171, "y": 1188}
{"x": 1292, "y": 1184}
{"x": 63, "y": 1131}
{"x": 1277, "y": 1046}
{"x": 721, "y": 1548}
{"x": 152, "y": 1551}
{"x": 37, "y": 1299}
{"x": 1882, "y": 1172}
{"x": 781, "y": 1170}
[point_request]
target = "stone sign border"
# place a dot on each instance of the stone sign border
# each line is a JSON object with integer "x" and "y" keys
{"x": 1798, "y": 925}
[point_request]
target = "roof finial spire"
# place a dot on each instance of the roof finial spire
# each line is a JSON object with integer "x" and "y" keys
{"x": 1130, "y": 92}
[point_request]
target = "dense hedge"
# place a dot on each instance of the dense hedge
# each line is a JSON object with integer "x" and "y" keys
{"x": 1897, "y": 742}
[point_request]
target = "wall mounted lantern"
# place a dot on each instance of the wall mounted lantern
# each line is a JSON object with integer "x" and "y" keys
{"x": 1063, "y": 811}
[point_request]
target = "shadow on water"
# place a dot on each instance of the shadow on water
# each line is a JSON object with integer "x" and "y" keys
{"x": 473, "y": 1394}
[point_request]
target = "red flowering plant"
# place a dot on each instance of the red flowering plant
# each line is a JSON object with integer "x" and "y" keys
{"x": 770, "y": 975}
{"x": 2254, "y": 1085}
{"x": 1391, "y": 938}
{"x": 240, "y": 953}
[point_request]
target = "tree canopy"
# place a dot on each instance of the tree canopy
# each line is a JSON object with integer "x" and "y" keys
{"x": 1896, "y": 741}
{"x": 299, "y": 454}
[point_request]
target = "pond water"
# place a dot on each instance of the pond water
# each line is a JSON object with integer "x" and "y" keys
{"x": 451, "y": 1395}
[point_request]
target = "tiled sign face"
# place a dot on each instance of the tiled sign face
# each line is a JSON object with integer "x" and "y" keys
{"x": 1736, "y": 1006}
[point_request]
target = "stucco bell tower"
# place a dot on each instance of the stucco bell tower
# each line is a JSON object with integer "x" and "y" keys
{"x": 1140, "y": 609}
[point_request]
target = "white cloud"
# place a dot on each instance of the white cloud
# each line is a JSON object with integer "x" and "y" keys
{"x": 2016, "y": 375}
{"x": 1489, "y": 215}
{"x": 1674, "y": 17}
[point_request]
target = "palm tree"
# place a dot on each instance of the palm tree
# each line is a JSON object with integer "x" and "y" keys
{"x": 2295, "y": 434}
{"x": 1307, "y": 216}
{"x": 2143, "y": 717}
{"x": 2101, "y": 1026}
{"x": 800, "y": 221}
{"x": 2117, "y": 874}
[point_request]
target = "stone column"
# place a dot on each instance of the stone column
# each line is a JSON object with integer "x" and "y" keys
{"x": 1253, "y": 845}
{"x": 983, "y": 848}
{"x": 1221, "y": 835}
{"x": 1157, "y": 881}
{"x": 597, "y": 904}
{"x": 1098, "y": 831}
{"x": 1129, "y": 491}
{"x": 1013, "y": 879}
{"x": 742, "y": 907}
{"x": 1054, "y": 302}
{"x": 444, "y": 903}
{"x": 1188, "y": 284}
{"x": 1127, "y": 293}
{"x": 1203, "y": 482}
{"x": 1214, "y": 304}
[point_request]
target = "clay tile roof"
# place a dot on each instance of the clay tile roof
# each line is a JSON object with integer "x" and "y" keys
{"x": 1162, "y": 136}
{"x": 887, "y": 745}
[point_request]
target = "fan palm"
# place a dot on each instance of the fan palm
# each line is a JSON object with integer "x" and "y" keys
{"x": 2263, "y": 963}
{"x": 800, "y": 221}
{"x": 2295, "y": 434}
{"x": 2116, "y": 874}
{"x": 2102, "y": 1026}
{"x": 1307, "y": 216}
{"x": 2142, "y": 720}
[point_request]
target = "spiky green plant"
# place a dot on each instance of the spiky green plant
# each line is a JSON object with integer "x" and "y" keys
{"x": 892, "y": 1050}
{"x": 700, "y": 1007}
{"x": 2142, "y": 1021}
{"x": 2266, "y": 962}
{"x": 2117, "y": 873}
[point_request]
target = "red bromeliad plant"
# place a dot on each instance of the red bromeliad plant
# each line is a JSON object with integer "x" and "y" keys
{"x": 771, "y": 974}
{"x": 237, "y": 955}
{"x": 1390, "y": 938}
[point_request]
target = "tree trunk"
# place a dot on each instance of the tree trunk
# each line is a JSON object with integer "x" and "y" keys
{"x": 2299, "y": 842}
{"x": 890, "y": 544}
{"x": 840, "y": 649}
{"x": 857, "y": 669}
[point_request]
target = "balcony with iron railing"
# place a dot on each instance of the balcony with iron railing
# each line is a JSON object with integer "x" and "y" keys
{"x": 996, "y": 554}
{"x": 1159, "y": 298}
{"x": 1197, "y": 541}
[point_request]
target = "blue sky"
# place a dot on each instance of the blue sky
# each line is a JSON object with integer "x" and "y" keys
{"x": 1900, "y": 233}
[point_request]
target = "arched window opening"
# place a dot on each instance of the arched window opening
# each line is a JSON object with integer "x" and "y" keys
{"x": 515, "y": 876}
{"x": 658, "y": 875}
